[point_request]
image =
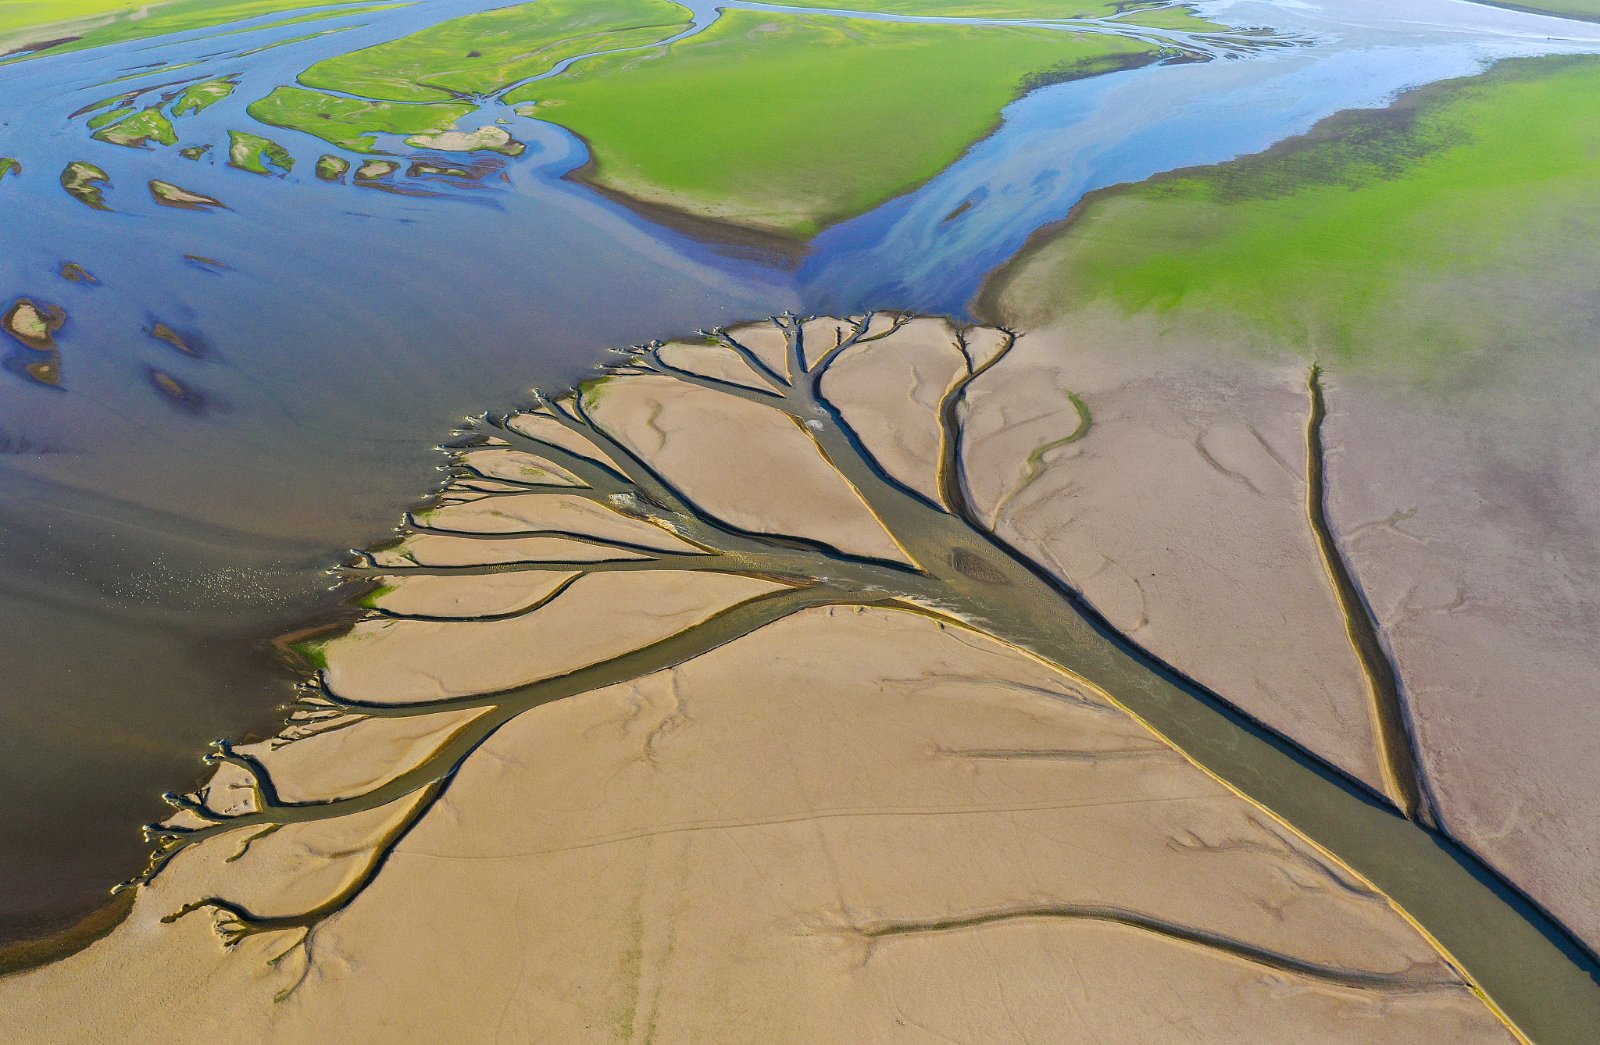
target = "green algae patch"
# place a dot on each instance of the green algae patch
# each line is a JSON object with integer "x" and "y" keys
{"x": 1393, "y": 238}
{"x": 313, "y": 652}
{"x": 258, "y": 155}
{"x": 9, "y": 167}
{"x": 352, "y": 123}
{"x": 124, "y": 100}
{"x": 482, "y": 53}
{"x": 364, "y": 7}
{"x": 202, "y": 96}
{"x": 787, "y": 124}
{"x": 140, "y": 129}
{"x": 373, "y": 598}
{"x": 168, "y": 69}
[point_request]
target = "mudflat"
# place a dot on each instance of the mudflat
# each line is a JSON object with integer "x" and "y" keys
{"x": 632, "y": 745}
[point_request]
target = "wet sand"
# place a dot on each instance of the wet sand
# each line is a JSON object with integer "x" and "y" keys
{"x": 850, "y": 765}
{"x": 151, "y": 555}
{"x": 1463, "y": 499}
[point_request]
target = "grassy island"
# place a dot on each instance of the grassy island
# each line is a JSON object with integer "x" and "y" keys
{"x": 790, "y": 123}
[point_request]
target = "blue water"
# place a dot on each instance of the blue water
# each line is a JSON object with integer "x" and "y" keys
{"x": 1060, "y": 143}
{"x": 147, "y": 548}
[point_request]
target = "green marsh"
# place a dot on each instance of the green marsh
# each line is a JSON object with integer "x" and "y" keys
{"x": 418, "y": 84}
{"x": 1394, "y": 238}
{"x": 790, "y": 123}
{"x": 79, "y": 24}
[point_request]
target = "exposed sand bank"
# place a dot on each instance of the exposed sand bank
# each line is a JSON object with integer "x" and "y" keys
{"x": 1472, "y": 518}
{"x": 854, "y": 827}
{"x": 1478, "y": 531}
{"x": 698, "y": 710}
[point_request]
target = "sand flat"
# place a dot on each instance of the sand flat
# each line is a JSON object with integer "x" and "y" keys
{"x": 1477, "y": 533}
{"x": 659, "y": 859}
{"x": 770, "y": 791}
{"x": 1180, "y": 515}
{"x": 905, "y": 437}
{"x": 397, "y": 661}
{"x": 787, "y": 488}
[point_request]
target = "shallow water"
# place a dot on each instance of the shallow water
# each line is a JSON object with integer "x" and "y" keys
{"x": 924, "y": 252}
{"x": 149, "y": 548}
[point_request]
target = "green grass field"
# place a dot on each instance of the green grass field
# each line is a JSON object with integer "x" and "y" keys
{"x": 694, "y": 127}
{"x": 482, "y": 53}
{"x": 413, "y": 82}
{"x": 1430, "y": 236}
{"x": 1158, "y": 13}
{"x": 19, "y": 15}
{"x": 351, "y": 123}
{"x": 93, "y": 23}
{"x": 789, "y": 123}
{"x": 1586, "y": 10}
{"x": 985, "y": 8}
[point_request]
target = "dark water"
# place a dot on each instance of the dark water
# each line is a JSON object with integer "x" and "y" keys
{"x": 150, "y": 548}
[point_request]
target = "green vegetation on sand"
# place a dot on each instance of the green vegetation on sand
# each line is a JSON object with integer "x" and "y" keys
{"x": 1162, "y": 14}
{"x": 258, "y": 155}
{"x": 138, "y": 130}
{"x": 1583, "y": 10}
{"x": 202, "y": 96}
{"x": 418, "y": 85}
{"x": 1400, "y": 238}
{"x": 169, "y": 195}
{"x": 693, "y": 127}
{"x": 86, "y": 183}
{"x": 351, "y": 123}
{"x": 988, "y": 8}
{"x": 787, "y": 124}
{"x": 376, "y": 170}
{"x": 483, "y": 53}
{"x": 332, "y": 168}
